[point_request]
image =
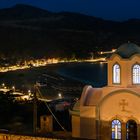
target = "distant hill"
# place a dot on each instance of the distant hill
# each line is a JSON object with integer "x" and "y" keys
{"x": 22, "y": 12}
{"x": 27, "y": 31}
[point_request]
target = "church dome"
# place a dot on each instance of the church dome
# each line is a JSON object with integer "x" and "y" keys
{"x": 127, "y": 50}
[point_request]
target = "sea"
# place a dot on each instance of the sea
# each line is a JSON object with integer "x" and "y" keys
{"x": 94, "y": 74}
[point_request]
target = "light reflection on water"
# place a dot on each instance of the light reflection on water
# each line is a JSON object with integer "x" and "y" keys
{"x": 94, "y": 74}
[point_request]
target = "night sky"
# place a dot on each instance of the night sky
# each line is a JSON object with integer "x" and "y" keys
{"x": 107, "y": 9}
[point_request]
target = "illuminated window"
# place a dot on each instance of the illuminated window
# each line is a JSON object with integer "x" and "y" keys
{"x": 116, "y": 74}
{"x": 116, "y": 130}
{"x": 136, "y": 74}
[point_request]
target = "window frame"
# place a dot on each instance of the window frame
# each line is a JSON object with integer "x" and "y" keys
{"x": 119, "y": 129}
{"x": 113, "y": 81}
{"x": 136, "y": 75}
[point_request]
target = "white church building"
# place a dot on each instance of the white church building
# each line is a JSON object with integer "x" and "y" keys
{"x": 112, "y": 112}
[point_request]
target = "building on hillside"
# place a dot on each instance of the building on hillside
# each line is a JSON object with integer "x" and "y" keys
{"x": 112, "y": 112}
{"x": 46, "y": 124}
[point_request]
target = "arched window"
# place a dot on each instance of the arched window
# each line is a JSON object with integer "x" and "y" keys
{"x": 131, "y": 130}
{"x": 136, "y": 74}
{"x": 116, "y": 74}
{"x": 116, "y": 130}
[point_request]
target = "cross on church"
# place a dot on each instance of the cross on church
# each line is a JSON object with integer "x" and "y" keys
{"x": 123, "y": 103}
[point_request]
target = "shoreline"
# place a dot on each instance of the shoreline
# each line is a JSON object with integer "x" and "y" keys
{"x": 25, "y": 80}
{"x": 59, "y": 77}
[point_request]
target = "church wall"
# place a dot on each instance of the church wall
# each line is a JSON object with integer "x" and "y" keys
{"x": 88, "y": 122}
{"x": 75, "y": 126}
{"x": 105, "y": 130}
{"x": 88, "y": 111}
{"x": 88, "y": 128}
{"x": 135, "y": 60}
{"x": 138, "y": 131}
{"x": 126, "y": 70}
{"x": 109, "y": 70}
{"x": 123, "y": 131}
{"x": 111, "y": 106}
{"x": 125, "y": 73}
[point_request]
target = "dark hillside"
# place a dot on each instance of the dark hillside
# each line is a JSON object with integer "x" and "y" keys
{"x": 27, "y": 31}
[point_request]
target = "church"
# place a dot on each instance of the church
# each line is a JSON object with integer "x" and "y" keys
{"x": 112, "y": 112}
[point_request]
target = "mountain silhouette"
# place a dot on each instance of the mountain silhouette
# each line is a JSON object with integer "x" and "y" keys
{"x": 22, "y": 11}
{"x": 28, "y": 32}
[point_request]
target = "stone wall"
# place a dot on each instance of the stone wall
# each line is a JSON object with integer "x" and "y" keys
{"x": 19, "y": 137}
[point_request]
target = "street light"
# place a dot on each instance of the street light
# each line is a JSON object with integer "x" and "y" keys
{"x": 13, "y": 88}
{"x": 3, "y": 84}
{"x": 59, "y": 95}
{"x": 29, "y": 92}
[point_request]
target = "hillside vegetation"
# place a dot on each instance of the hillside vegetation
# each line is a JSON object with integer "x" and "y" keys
{"x": 29, "y": 32}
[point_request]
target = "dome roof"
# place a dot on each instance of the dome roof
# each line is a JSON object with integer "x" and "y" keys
{"x": 127, "y": 50}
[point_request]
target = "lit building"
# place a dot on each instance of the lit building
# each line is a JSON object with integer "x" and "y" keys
{"x": 113, "y": 111}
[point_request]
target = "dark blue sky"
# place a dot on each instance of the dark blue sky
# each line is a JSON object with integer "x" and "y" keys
{"x": 107, "y": 9}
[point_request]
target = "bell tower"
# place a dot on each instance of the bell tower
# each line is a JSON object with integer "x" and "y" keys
{"x": 124, "y": 66}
